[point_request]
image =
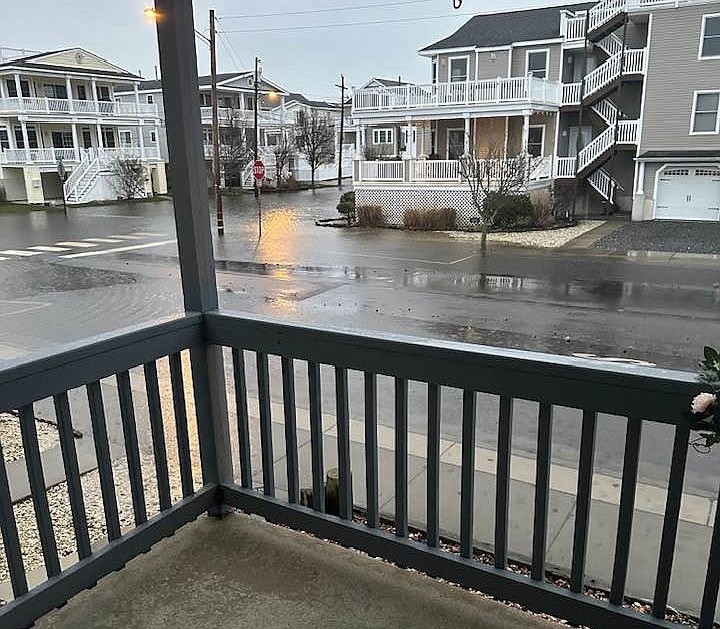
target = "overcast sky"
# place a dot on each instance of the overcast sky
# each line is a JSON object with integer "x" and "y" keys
{"x": 301, "y": 60}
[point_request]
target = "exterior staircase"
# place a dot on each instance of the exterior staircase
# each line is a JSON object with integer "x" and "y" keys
{"x": 604, "y": 17}
{"x": 82, "y": 179}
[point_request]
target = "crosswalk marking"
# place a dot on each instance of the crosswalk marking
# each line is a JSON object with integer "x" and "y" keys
{"x": 49, "y": 249}
{"x": 18, "y": 252}
{"x": 109, "y": 241}
{"x": 70, "y": 243}
{"x": 86, "y": 254}
{"x": 128, "y": 236}
{"x": 1, "y": 259}
{"x": 148, "y": 234}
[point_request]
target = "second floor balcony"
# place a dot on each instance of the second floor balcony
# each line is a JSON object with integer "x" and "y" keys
{"x": 506, "y": 93}
{"x": 51, "y": 156}
{"x": 24, "y": 105}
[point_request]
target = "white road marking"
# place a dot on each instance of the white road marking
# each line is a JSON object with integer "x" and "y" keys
{"x": 1, "y": 259}
{"x": 18, "y": 252}
{"x": 71, "y": 243}
{"x": 29, "y": 305}
{"x": 109, "y": 241}
{"x": 128, "y": 236}
{"x": 87, "y": 254}
{"x": 49, "y": 249}
{"x": 149, "y": 234}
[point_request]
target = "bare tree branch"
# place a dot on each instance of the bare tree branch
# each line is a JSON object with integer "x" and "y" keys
{"x": 283, "y": 151}
{"x": 236, "y": 146}
{"x": 315, "y": 139}
{"x": 128, "y": 177}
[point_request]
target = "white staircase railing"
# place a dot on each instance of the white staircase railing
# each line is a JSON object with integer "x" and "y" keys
{"x": 607, "y": 72}
{"x": 627, "y": 132}
{"x": 76, "y": 176}
{"x": 607, "y": 110}
{"x": 604, "y": 184}
{"x": 602, "y": 143}
{"x": 611, "y": 44}
{"x": 603, "y": 12}
{"x": 571, "y": 93}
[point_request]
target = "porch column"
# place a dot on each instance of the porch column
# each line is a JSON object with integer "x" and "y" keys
{"x": 363, "y": 140}
{"x": 525, "y": 132}
{"x": 94, "y": 93}
{"x": 2, "y": 89}
{"x": 76, "y": 144}
{"x": 466, "y": 141}
{"x": 640, "y": 187}
{"x": 18, "y": 88}
{"x": 101, "y": 144}
{"x": 176, "y": 42}
{"x": 137, "y": 93}
{"x": 68, "y": 89}
{"x": 141, "y": 139}
{"x": 26, "y": 140}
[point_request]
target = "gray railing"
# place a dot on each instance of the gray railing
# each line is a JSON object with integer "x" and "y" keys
{"x": 641, "y": 395}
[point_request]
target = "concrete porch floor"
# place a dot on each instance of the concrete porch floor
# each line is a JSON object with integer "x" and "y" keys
{"x": 244, "y": 572}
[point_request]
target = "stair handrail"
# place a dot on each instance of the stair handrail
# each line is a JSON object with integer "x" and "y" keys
{"x": 78, "y": 173}
{"x": 588, "y": 154}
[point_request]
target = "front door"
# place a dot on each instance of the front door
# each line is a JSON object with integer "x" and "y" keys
{"x": 573, "y": 139}
{"x": 409, "y": 141}
{"x": 455, "y": 143}
{"x": 86, "y": 139}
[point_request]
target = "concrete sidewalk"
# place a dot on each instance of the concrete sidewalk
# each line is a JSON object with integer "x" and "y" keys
{"x": 694, "y": 531}
{"x": 242, "y": 572}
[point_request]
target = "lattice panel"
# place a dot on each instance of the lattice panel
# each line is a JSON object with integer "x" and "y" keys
{"x": 395, "y": 201}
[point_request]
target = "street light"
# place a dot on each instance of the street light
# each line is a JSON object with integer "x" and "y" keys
{"x": 151, "y": 13}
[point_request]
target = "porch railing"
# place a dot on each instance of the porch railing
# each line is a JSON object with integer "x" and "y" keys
{"x": 23, "y": 104}
{"x": 493, "y": 91}
{"x": 43, "y": 156}
{"x": 565, "y": 167}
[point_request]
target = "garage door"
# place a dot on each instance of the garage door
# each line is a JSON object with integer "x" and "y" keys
{"x": 690, "y": 194}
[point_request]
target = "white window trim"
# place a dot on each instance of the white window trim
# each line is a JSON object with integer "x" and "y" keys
{"x": 547, "y": 60}
{"x": 542, "y": 142}
{"x": 717, "y": 113}
{"x": 447, "y": 139}
{"x": 702, "y": 37}
{"x": 467, "y": 68}
{"x": 389, "y": 132}
{"x": 121, "y": 136}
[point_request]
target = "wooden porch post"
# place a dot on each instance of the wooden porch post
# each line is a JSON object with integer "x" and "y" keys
{"x": 466, "y": 143}
{"x": 178, "y": 63}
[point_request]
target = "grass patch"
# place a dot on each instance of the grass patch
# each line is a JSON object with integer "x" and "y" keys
{"x": 8, "y": 207}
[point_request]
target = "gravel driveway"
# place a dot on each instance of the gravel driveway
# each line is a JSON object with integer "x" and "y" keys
{"x": 674, "y": 236}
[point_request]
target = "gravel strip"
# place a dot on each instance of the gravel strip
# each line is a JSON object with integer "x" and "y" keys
{"x": 11, "y": 439}
{"x": 670, "y": 236}
{"x": 542, "y": 239}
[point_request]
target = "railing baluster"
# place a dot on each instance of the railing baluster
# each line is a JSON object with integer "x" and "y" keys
{"x": 72, "y": 474}
{"x": 671, "y": 520}
{"x": 712, "y": 577}
{"x": 132, "y": 452}
{"x": 433, "y": 466}
{"x": 542, "y": 491}
{"x": 102, "y": 453}
{"x": 158, "y": 435}
{"x": 266, "y": 444}
{"x": 291, "y": 449}
{"x": 502, "y": 481}
{"x": 345, "y": 505}
{"x": 10, "y": 537}
{"x": 243, "y": 425}
{"x": 316, "y": 437}
{"x": 582, "y": 503}
{"x": 371, "y": 453}
{"x": 181, "y": 427}
{"x": 401, "y": 457}
{"x": 627, "y": 507}
{"x": 467, "y": 474}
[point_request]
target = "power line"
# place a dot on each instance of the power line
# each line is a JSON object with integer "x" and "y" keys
{"x": 370, "y": 23}
{"x": 332, "y": 10}
{"x": 234, "y": 55}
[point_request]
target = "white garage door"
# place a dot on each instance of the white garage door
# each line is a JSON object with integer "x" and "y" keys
{"x": 690, "y": 194}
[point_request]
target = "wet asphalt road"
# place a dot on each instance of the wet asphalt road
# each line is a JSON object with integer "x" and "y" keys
{"x": 660, "y": 311}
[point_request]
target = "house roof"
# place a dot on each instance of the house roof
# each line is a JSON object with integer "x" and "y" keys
{"x": 206, "y": 80}
{"x": 31, "y": 62}
{"x": 503, "y": 29}
{"x": 320, "y": 104}
{"x": 388, "y": 82}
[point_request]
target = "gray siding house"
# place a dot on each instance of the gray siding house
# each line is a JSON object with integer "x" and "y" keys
{"x": 618, "y": 101}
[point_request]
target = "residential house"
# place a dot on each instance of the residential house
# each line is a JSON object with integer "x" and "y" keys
{"x": 582, "y": 88}
{"x": 60, "y": 106}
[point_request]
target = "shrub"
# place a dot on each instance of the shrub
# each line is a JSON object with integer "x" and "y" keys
{"x": 346, "y": 207}
{"x": 432, "y": 219}
{"x": 370, "y": 216}
{"x": 508, "y": 210}
{"x": 543, "y": 207}
{"x": 290, "y": 183}
{"x": 370, "y": 153}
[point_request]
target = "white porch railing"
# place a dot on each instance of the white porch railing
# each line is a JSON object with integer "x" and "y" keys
{"x": 627, "y": 132}
{"x": 41, "y": 156}
{"x": 603, "y": 12}
{"x": 24, "y": 104}
{"x": 128, "y": 152}
{"x": 435, "y": 170}
{"x": 571, "y": 93}
{"x": 500, "y": 90}
{"x": 574, "y": 28}
{"x": 381, "y": 171}
{"x": 565, "y": 167}
{"x": 610, "y": 70}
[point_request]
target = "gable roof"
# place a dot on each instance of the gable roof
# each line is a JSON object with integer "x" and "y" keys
{"x": 222, "y": 78}
{"x": 320, "y": 104}
{"x": 503, "y": 29}
{"x": 380, "y": 82}
{"x": 35, "y": 62}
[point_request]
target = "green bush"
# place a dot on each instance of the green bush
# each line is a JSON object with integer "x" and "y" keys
{"x": 346, "y": 207}
{"x": 508, "y": 210}
{"x": 432, "y": 219}
{"x": 370, "y": 216}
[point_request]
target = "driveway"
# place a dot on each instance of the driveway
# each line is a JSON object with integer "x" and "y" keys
{"x": 671, "y": 236}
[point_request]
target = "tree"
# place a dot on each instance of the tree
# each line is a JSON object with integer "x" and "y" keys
{"x": 128, "y": 177}
{"x": 236, "y": 149}
{"x": 315, "y": 139}
{"x": 494, "y": 173}
{"x": 283, "y": 151}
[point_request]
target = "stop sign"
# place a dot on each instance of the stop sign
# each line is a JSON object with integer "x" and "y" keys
{"x": 259, "y": 170}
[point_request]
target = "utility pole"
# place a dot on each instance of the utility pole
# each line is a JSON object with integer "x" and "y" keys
{"x": 215, "y": 128}
{"x": 342, "y": 128}
{"x": 255, "y": 144}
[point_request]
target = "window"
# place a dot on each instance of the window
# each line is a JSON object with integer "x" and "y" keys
{"x": 458, "y": 69}
{"x": 62, "y": 139}
{"x": 125, "y": 137}
{"x": 537, "y": 61}
{"x": 205, "y": 100}
{"x": 108, "y": 137}
{"x": 81, "y": 92}
{"x": 32, "y": 138}
{"x": 710, "y": 37}
{"x": 536, "y": 140}
{"x": 150, "y": 99}
{"x": 705, "y": 117}
{"x": 86, "y": 138}
{"x": 55, "y": 90}
{"x": 207, "y": 136}
{"x": 4, "y": 139}
{"x": 103, "y": 92}
{"x": 153, "y": 137}
{"x": 12, "y": 87}
{"x": 455, "y": 143}
{"x": 382, "y": 136}
{"x": 249, "y": 103}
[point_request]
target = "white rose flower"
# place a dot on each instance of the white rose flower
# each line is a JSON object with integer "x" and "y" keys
{"x": 703, "y": 402}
